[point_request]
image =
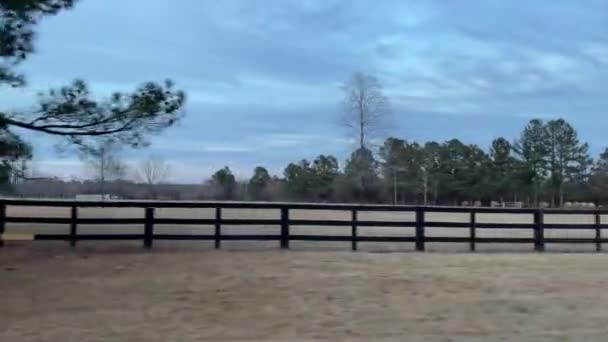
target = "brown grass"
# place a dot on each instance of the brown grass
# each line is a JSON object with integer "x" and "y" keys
{"x": 108, "y": 293}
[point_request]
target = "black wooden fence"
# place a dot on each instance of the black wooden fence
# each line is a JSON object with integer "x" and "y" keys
{"x": 148, "y": 221}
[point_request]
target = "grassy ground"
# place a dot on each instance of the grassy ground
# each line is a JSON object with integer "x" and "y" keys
{"x": 113, "y": 292}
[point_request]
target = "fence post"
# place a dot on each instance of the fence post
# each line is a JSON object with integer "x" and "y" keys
{"x": 420, "y": 229}
{"x": 2, "y": 222}
{"x": 354, "y": 229}
{"x": 73, "y": 225}
{"x": 598, "y": 232}
{"x": 539, "y": 235}
{"x": 473, "y": 233}
{"x": 149, "y": 228}
{"x": 218, "y": 227}
{"x": 284, "y": 228}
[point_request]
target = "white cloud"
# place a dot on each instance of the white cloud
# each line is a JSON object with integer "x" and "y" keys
{"x": 197, "y": 146}
{"x": 62, "y": 168}
{"x": 558, "y": 64}
{"x": 286, "y": 140}
{"x": 226, "y": 148}
{"x": 597, "y": 52}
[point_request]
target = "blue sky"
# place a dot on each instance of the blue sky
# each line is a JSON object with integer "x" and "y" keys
{"x": 263, "y": 77}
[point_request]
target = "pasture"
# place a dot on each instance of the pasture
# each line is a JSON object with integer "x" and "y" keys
{"x": 111, "y": 293}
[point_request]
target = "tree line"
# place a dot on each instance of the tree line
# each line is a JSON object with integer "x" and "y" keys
{"x": 546, "y": 163}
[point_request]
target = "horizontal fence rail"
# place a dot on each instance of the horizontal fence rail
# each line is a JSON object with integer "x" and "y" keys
{"x": 284, "y": 222}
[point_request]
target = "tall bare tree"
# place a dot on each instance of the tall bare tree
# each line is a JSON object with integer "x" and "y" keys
{"x": 103, "y": 161}
{"x": 153, "y": 171}
{"x": 365, "y": 107}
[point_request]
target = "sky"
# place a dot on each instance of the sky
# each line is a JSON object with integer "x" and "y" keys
{"x": 263, "y": 78}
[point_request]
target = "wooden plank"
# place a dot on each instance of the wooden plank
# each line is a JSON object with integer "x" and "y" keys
{"x": 185, "y": 221}
{"x": 329, "y": 238}
{"x": 249, "y": 222}
{"x": 332, "y": 223}
{"x": 252, "y": 237}
{"x": 570, "y": 240}
{"x": 108, "y": 221}
{"x": 203, "y": 204}
{"x": 391, "y": 224}
{"x": 348, "y": 223}
{"x": 569, "y": 226}
{"x": 39, "y": 220}
{"x": 68, "y": 220}
{"x": 503, "y": 240}
{"x": 484, "y": 225}
{"x": 439, "y": 224}
{"x": 347, "y": 238}
{"x": 458, "y": 239}
{"x": 337, "y": 238}
{"x": 184, "y": 237}
{"x": 344, "y": 238}
{"x": 92, "y": 237}
{"x": 386, "y": 238}
{"x": 279, "y": 205}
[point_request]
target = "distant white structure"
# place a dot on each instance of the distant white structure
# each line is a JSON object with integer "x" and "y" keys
{"x": 518, "y": 205}
{"x": 579, "y": 205}
{"x": 95, "y": 197}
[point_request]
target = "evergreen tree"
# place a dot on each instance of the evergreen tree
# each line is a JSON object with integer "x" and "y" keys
{"x": 532, "y": 150}
{"x": 568, "y": 158}
{"x": 361, "y": 171}
{"x": 258, "y": 184}
{"x": 225, "y": 184}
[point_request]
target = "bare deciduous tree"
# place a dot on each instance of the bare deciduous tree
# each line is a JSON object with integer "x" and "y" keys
{"x": 366, "y": 108}
{"x": 153, "y": 171}
{"x": 102, "y": 160}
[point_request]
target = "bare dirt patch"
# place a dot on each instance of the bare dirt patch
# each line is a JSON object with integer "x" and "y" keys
{"x": 101, "y": 293}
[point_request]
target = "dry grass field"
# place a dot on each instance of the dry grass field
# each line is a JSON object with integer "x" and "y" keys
{"x": 101, "y": 293}
{"x": 252, "y": 291}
